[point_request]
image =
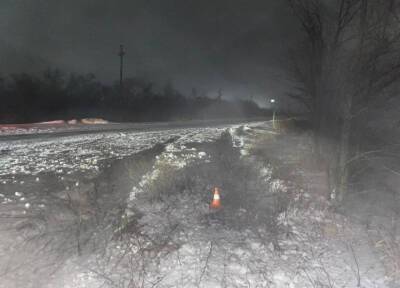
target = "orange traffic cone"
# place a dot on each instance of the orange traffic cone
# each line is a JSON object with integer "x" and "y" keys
{"x": 216, "y": 202}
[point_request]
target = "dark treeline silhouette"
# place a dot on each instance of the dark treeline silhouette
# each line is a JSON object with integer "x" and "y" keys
{"x": 27, "y": 98}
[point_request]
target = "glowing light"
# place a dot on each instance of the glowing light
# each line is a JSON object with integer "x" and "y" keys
{"x": 272, "y": 101}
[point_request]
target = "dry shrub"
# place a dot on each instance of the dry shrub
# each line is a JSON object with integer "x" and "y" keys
{"x": 390, "y": 247}
{"x": 248, "y": 201}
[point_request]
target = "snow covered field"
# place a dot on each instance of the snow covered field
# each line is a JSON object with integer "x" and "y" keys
{"x": 272, "y": 230}
{"x": 85, "y": 152}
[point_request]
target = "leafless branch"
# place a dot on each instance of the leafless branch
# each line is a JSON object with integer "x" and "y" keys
{"x": 357, "y": 265}
{"x": 206, "y": 263}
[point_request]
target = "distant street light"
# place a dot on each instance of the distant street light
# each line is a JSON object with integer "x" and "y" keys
{"x": 272, "y": 101}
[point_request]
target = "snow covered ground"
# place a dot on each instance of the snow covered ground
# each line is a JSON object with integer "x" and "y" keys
{"x": 272, "y": 230}
{"x": 85, "y": 152}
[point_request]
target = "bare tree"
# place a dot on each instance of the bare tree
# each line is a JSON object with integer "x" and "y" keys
{"x": 349, "y": 58}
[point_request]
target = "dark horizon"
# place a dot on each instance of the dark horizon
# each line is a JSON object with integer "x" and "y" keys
{"x": 56, "y": 95}
{"x": 234, "y": 46}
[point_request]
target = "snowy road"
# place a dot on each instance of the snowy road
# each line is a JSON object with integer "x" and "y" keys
{"x": 82, "y": 151}
{"x": 49, "y": 131}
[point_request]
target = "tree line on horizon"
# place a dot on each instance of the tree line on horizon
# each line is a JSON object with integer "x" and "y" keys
{"x": 27, "y": 98}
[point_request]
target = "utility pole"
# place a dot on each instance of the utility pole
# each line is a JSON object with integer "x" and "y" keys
{"x": 121, "y": 55}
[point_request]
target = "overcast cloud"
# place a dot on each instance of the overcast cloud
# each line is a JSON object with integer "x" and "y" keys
{"x": 236, "y": 45}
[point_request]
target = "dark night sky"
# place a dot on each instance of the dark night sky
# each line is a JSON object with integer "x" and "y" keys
{"x": 236, "y": 45}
